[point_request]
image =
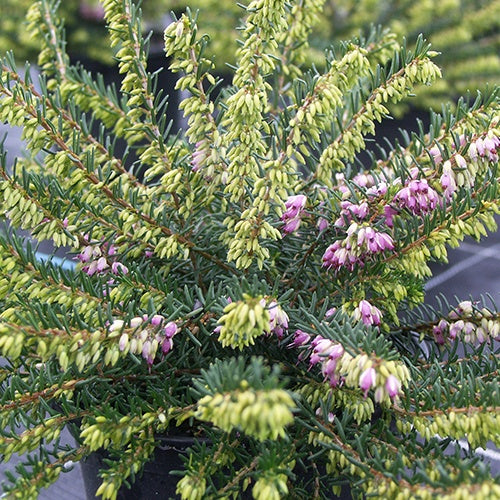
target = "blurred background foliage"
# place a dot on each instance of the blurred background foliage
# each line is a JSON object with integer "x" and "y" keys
{"x": 465, "y": 32}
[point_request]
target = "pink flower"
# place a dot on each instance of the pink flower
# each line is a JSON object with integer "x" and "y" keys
{"x": 384, "y": 241}
{"x": 116, "y": 325}
{"x": 321, "y": 349}
{"x": 135, "y": 322}
{"x": 472, "y": 151}
{"x": 337, "y": 257}
{"x": 460, "y": 161}
{"x": 291, "y": 225}
{"x": 392, "y": 386}
{"x": 200, "y": 155}
{"x": 167, "y": 345}
{"x": 379, "y": 190}
{"x": 350, "y": 210}
{"x": 118, "y": 267}
{"x": 481, "y": 335}
{"x": 300, "y": 338}
{"x": 389, "y": 213}
{"x": 367, "y": 380}
{"x": 465, "y": 308}
{"x": 448, "y": 184}
{"x": 97, "y": 266}
{"x": 336, "y": 352}
{"x": 439, "y": 330}
{"x": 147, "y": 352}
{"x": 480, "y": 146}
{"x": 86, "y": 254}
{"x": 363, "y": 179}
{"x": 322, "y": 224}
{"x": 435, "y": 152}
{"x": 456, "y": 328}
{"x": 329, "y": 367}
{"x": 170, "y": 329}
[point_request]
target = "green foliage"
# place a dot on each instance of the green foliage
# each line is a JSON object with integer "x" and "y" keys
{"x": 464, "y": 32}
{"x": 247, "y": 279}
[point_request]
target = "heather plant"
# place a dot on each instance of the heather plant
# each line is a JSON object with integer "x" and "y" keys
{"x": 465, "y": 32}
{"x": 247, "y": 281}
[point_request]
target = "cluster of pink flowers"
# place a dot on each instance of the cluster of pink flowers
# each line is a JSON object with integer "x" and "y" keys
{"x": 292, "y": 216}
{"x": 368, "y": 380}
{"x": 368, "y": 314}
{"x": 482, "y": 149}
{"x": 327, "y": 354}
{"x": 485, "y": 148}
{"x": 350, "y": 211}
{"x": 417, "y": 197}
{"x": 100, "y": 258}
{"x": 361, "y": 242}
{"x": 339, "y": 367}
{"x": 145, "y": 335}
{"x": 468, "y": 324}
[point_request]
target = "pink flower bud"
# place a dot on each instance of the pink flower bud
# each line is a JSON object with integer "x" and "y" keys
{"x": 472, "y": 151}
{"x": 135, "y": 322}
{"x": 147, "y": 352}
{"x": 389, "y": 213}
{"x": 122, "y": 344}
{"x": 460, "y": 161}
{"x": 330, "y": 312}
{"x": 116, "y": 325}
{"x": 480, "y": 146}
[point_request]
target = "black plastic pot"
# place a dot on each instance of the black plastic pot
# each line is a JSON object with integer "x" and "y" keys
{"x": 155, "y": 480}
